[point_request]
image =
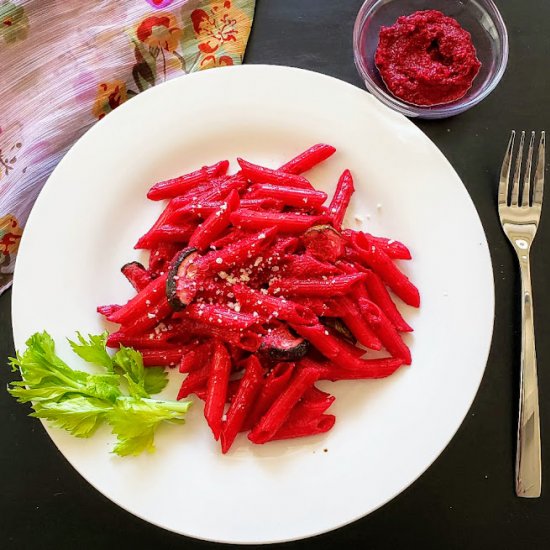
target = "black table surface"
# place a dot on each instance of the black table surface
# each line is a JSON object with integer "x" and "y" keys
{"x": 466, "y": 498}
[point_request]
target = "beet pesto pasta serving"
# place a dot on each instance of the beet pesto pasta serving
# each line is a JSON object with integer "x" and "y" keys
{"x": 255, "y": 291}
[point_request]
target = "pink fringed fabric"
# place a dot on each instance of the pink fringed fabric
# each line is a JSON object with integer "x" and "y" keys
{"x": 69, "y": 63}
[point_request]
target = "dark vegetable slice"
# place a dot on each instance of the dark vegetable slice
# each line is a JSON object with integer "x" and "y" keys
{"x": 324, "y": 242}
{"x": 281, "y": 345}
{"x": 339, "y": 326}
{"x": 136, "y": 274}
{"x": 181, "y": 283}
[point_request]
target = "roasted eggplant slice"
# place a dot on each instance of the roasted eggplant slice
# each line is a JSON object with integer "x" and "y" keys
{"x": 339, "y": 327}
{"x": 281, "y": 345}
{"x": 181, "y": 283}
{"x": 324, "y": 242}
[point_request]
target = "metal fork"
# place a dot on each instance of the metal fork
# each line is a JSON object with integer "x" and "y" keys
{"x": 520, "y": 216}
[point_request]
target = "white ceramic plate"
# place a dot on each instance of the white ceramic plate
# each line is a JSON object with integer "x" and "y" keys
{"x": 388, "y": 432}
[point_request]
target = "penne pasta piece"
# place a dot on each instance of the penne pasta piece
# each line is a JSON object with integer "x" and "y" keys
{"x": 136, "y": 274}
{"x": 382, "y": 264}
{"x": 167, "y": 357}
{"x": 369, "y": 368}
{"x": 139, "y": 304}
{"x": 303, "y": 422}
{"x": 150, "y": 340}
{"x": 242, "y": 403}
{"x": 343, "y": 354}
{"x": 236, "y": 253}
{"x": 290, "y": 196}
{"x": 359, "y": 327}
{"x": 260, "y": 174}
{"x": 215, "y": 224}
{"x": 274, "y": 384}
{"x": 341, "y": 199}
{"x": 316, "y": 400}
{"x": 277, "y": 414}
{"x": 219, "y": 315}
{"x": 394, "y": 249}
{"x": 164, "y": 218}
{"x": 216, "y": 393}
{"x": 160, "y": 257}
{"x": 305, "y": 265}
{"x": 167, "y": 233}
{"x": 246, "y": 339}
{"x": 384, "y": 330}
{"x": 194, "y": 381}
{"x": 308, "y": 159}
{"x": 155, "y": 314}
{"x": 176, "y": 186}
{"x": 381, "y": 297}
{"x": 329, "y": 286}
{"x": 284, "y": 222}
{"x": 108, "y": 310}
{"x": 272, "y": 307}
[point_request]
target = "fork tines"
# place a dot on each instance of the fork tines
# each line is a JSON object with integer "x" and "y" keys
{"x": 528, "y": 197}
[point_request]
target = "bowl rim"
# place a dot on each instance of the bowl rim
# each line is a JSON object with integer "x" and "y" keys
{"x": 416, "y": 111}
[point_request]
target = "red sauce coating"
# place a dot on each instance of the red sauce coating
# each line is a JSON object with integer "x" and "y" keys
{"x": 427, "y": 58}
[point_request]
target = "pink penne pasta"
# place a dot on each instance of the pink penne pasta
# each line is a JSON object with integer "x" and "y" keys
{"x": 274, "y": 384}
{"x": 329, "y": 286}
{"x": 136, "y": 274}
{"x": 260, "y": 174}
{"x": 174, "y": 187}
{"x": 371, "y": 368}
{"x": 305, "y": 265}
{"x": 162, "y": 357}
{"x": 384, "y": 330}
{"x": 290, "y": 196}
{"x": 242, "y": 403}
{"x": 357, "y": 324}
{"x": 341, "y": 199}
{"x": 284, "y": 222}
{"x": 382, "y": 264}
{"x": 316, "y": 400}
{"x": 277, "y": 414}
{"x": 108, "y": 309}
{"x": 303, "y": 422}
{"x": 167, "y": 233}
{"x": 308, "y": 159}
{"x": 163, "y": 219}
{"x": 149, "y": 340}
{"x": 248, "y": 340}
{"x": 140, "y": 303}
{"x": 195, "y": 357}
{"x": 194, "y": 380}
{"x": 322, "y": 307}
{"x": 343, "y": 355}
{"x": 215, "y": 224}
{"x": 216, "y": 394}
{"x": 269, "y": 306}
{"x": 219, "y": 315}
{"x": 237, "y": 253}
{"x": 146, "y": 321}
{"x": 253, "y": 289}
{"x": 394, "y": 249}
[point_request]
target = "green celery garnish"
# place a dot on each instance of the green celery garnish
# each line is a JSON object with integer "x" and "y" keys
{"x": 80, "y": 402}
{"x": 134, "y": 422}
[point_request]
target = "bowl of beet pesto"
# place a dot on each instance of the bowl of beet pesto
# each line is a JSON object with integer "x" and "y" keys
{"x": 430, "y": 59}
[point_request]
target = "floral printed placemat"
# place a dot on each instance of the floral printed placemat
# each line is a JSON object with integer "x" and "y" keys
{"x": 68, "y": 63}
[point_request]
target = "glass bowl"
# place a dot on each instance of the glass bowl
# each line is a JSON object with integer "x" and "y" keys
{"x": 480, "y": 18}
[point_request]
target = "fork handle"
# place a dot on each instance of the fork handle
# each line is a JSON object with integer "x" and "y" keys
{"x": 528, "y": 454}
